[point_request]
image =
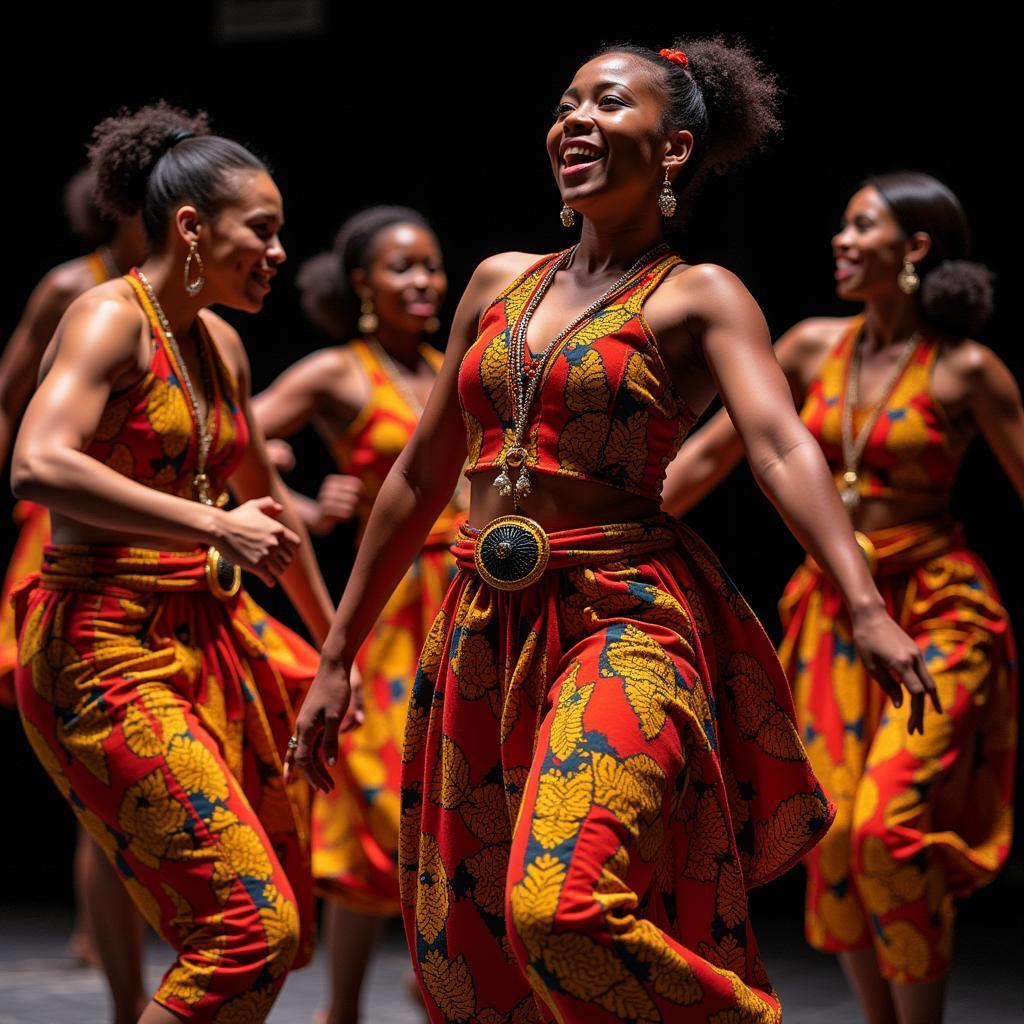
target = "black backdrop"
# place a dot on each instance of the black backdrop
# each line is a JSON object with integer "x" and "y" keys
{"x": 448, "y": 115}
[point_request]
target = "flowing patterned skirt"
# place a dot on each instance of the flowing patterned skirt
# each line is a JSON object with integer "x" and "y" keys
{"x": 162, "y": 716}
{"x": 921, "y": 819}
{"x": 597, "y": 769}
{"x": 355, "y": 826}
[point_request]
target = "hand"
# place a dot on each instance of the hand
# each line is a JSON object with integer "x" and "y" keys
{"x": 338, "y": 500}
{"x": 356, "y": 714}
{"x": 318, "y": 723}
{"x": 251, "y": 536}
{"x": 893, "y": 659}
{"x": 281, "y": 454}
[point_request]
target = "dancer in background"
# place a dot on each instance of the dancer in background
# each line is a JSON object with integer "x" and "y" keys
{"x": 600, "y": 754}
{"x": 156, "y": 694}
{"x": 382, "y": 287}
{"x": 893, "y": 395}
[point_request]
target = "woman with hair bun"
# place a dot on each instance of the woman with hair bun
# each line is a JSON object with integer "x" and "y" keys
{"x": 600, "y": 754}
{"x": 382, "y": 287}
{"x": 156, "y": 694}
{"x": 894, "y": 395}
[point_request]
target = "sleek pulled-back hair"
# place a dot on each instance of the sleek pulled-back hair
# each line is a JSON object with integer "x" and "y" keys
{"x": 956, "y": 293}
{"x": 325, "y": 280}
{"x": 725, "y": 96}
{"x": 158, "y": 157}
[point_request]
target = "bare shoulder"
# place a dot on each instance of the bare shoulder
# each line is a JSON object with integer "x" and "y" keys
{"x": 975, "y": 365}
{"x": 58, "y": 288}
{"x": 497, "y": 272}
{"x": 815, "y": 337}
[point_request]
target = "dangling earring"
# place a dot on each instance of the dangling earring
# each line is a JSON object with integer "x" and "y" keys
{"x": 568, "y": 216}
{"x": 667, "y": 198}
{"x": 368, "y": 319}
{"x": 194, "y": 286}
{"x": 907, "y": 278}
{"x": 432, "y": 326}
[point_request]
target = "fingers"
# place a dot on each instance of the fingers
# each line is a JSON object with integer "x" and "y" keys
{"x": 929, "y": 684}
{"x": 331, "y": 740}
{"x": 268, "y": 506}
{"x": 307, "y": 756}
{"x": 880, "y": 673}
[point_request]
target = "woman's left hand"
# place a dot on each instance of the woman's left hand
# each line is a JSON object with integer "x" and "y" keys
{"x": 896, "y": 663}
{"x": 318, "y": 724}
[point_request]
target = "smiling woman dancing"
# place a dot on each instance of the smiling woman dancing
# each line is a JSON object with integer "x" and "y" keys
{"x": 156, "y": 694}
{"x": 921, "y": 819}
{"x": 600, "y": 754}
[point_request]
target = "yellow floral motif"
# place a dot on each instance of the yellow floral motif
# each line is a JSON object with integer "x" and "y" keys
{"x": 153, "y": 820}
{"x": 432, "y": 898}
{"x": 758, "y": 714}
{"x": 708, "y": 839}
{"x": 196, "y": 769}
{"x": 866, "y": 802}
{"x": 731, "y": 895}
{"x": 244, "y": 851}
{"x": 586, "y": 387}
{"x": 47, "y": 757}
{"x": 671, "y": 975}
{"x": 610, "y": 320}
{"x": 906, "y": 950}
{"x": 139, "y": 735}
{"x": 581, "y": 444}
{"x": 534, "y": 901}
{"x": 485, "y": 813}
{"x": 494, "y": 376}
{"x": 474, "y": 666}
{"x": 188, "y": 981}
{"x": 433, "y": 647}
{"x": 169, "y": 415}
{"x": 627, "y": 445}
{"x": 450, "y": 783}
{"x": 474, "y": 438}
{"x": 144, "y": 900}
{"x": 786, "y": 834}
{"x": 488, "y": 868}
{"x": 841, "y": 916}
{"x": 885, "y": 884}
{"x": 450, "y": 985}
{"x": 562, "y": 803}
{"x": 280, "y": 919}
{"x": 250, "y": 1006}
{"x": 631, "y": 788}
{"x": 567, "y": 725}
{"x": 649, "y": 677}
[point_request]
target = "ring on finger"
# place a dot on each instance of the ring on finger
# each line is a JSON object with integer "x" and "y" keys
{"x": 293, "y": 744}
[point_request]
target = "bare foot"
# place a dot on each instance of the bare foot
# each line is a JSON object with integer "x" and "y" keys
{"x": 82, "y": 950}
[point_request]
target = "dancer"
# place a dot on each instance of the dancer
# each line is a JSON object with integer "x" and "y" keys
{"x": 157, "y": 695}
{"x": 600, "y": 754}
{"x": 893, "y": 395}
{"x": 108, "y": 930}
{"x": 365, "y": 398}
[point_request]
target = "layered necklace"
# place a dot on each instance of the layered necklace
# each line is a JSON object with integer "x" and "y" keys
{"x": 528, "y": 370}
{"x": 853, "y": 447}
{"x": 512, "y": 551}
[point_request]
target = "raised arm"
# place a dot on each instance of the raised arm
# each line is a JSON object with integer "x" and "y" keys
{"x": 256, "y": 477}
{"x": 102, "y": 342}
{"x": 791, "y": 470}
{"x": 413, "y": 495}
{"x": 712, "y": 453}
{"x": 996, "y": 405}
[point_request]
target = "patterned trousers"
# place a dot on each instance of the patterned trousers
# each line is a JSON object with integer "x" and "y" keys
{"x": 597, "y": 769}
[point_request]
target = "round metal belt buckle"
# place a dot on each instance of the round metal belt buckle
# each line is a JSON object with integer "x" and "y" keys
{"x": 867, "y": 549}
{"x": 511, "y": 552}
{"x": 224, "y": 578}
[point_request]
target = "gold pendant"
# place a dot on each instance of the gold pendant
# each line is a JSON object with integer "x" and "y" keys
{"x": 850, "y": 497}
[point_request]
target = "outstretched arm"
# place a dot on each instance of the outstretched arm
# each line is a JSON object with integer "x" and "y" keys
{"x": 791, "y": 470}
{"x": 996, "y": 405}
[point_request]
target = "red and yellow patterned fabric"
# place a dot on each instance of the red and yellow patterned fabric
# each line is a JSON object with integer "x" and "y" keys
{"x": 598, "y": 767}
{"x": 605, "y": 410}
{"x": 33, "y": 522}
{"x": 355, "y": 827}
{"x": 914, "y": 451}
{"x": 162, "y": 714}
{"x": 921, "y": 819}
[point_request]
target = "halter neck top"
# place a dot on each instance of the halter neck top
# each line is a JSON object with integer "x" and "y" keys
{"x": 605, "y": 410}
{"x": 148, "y": 430}
{"x": 382, "y": 428}
{"x": 914, "y": 450}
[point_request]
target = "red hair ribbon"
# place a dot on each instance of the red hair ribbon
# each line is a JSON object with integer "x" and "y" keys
{"x": 676, "y": 56}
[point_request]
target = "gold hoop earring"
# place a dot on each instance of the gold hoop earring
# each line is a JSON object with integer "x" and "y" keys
{"x": 907, "y": 278}
{"x": 667, "y": 198}
{"x": 568, "y": 216}
{"x": 194, "y": 285}
{"x": 368, "y": 319}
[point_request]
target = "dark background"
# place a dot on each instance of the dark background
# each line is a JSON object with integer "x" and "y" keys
{"x": 448, "y": 115}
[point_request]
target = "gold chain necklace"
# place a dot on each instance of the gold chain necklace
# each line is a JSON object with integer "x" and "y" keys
{"x": 853, "y": 448}
{"x": 200, "y": 480}
{"x": 522, "y": 393}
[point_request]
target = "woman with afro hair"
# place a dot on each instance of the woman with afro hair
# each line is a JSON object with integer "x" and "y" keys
{"x": 894, "y": 395}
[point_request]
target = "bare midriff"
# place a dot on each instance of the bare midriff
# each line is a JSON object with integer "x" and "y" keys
{"x": 558, "y": 503}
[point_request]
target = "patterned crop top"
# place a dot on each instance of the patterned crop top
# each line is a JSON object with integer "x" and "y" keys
{"x": 605, "y": 409}
{"x": 148, "y": 431}
{"x": 914, "y": 450}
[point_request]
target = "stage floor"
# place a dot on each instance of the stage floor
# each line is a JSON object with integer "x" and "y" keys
{"x": 40, "y": 985}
